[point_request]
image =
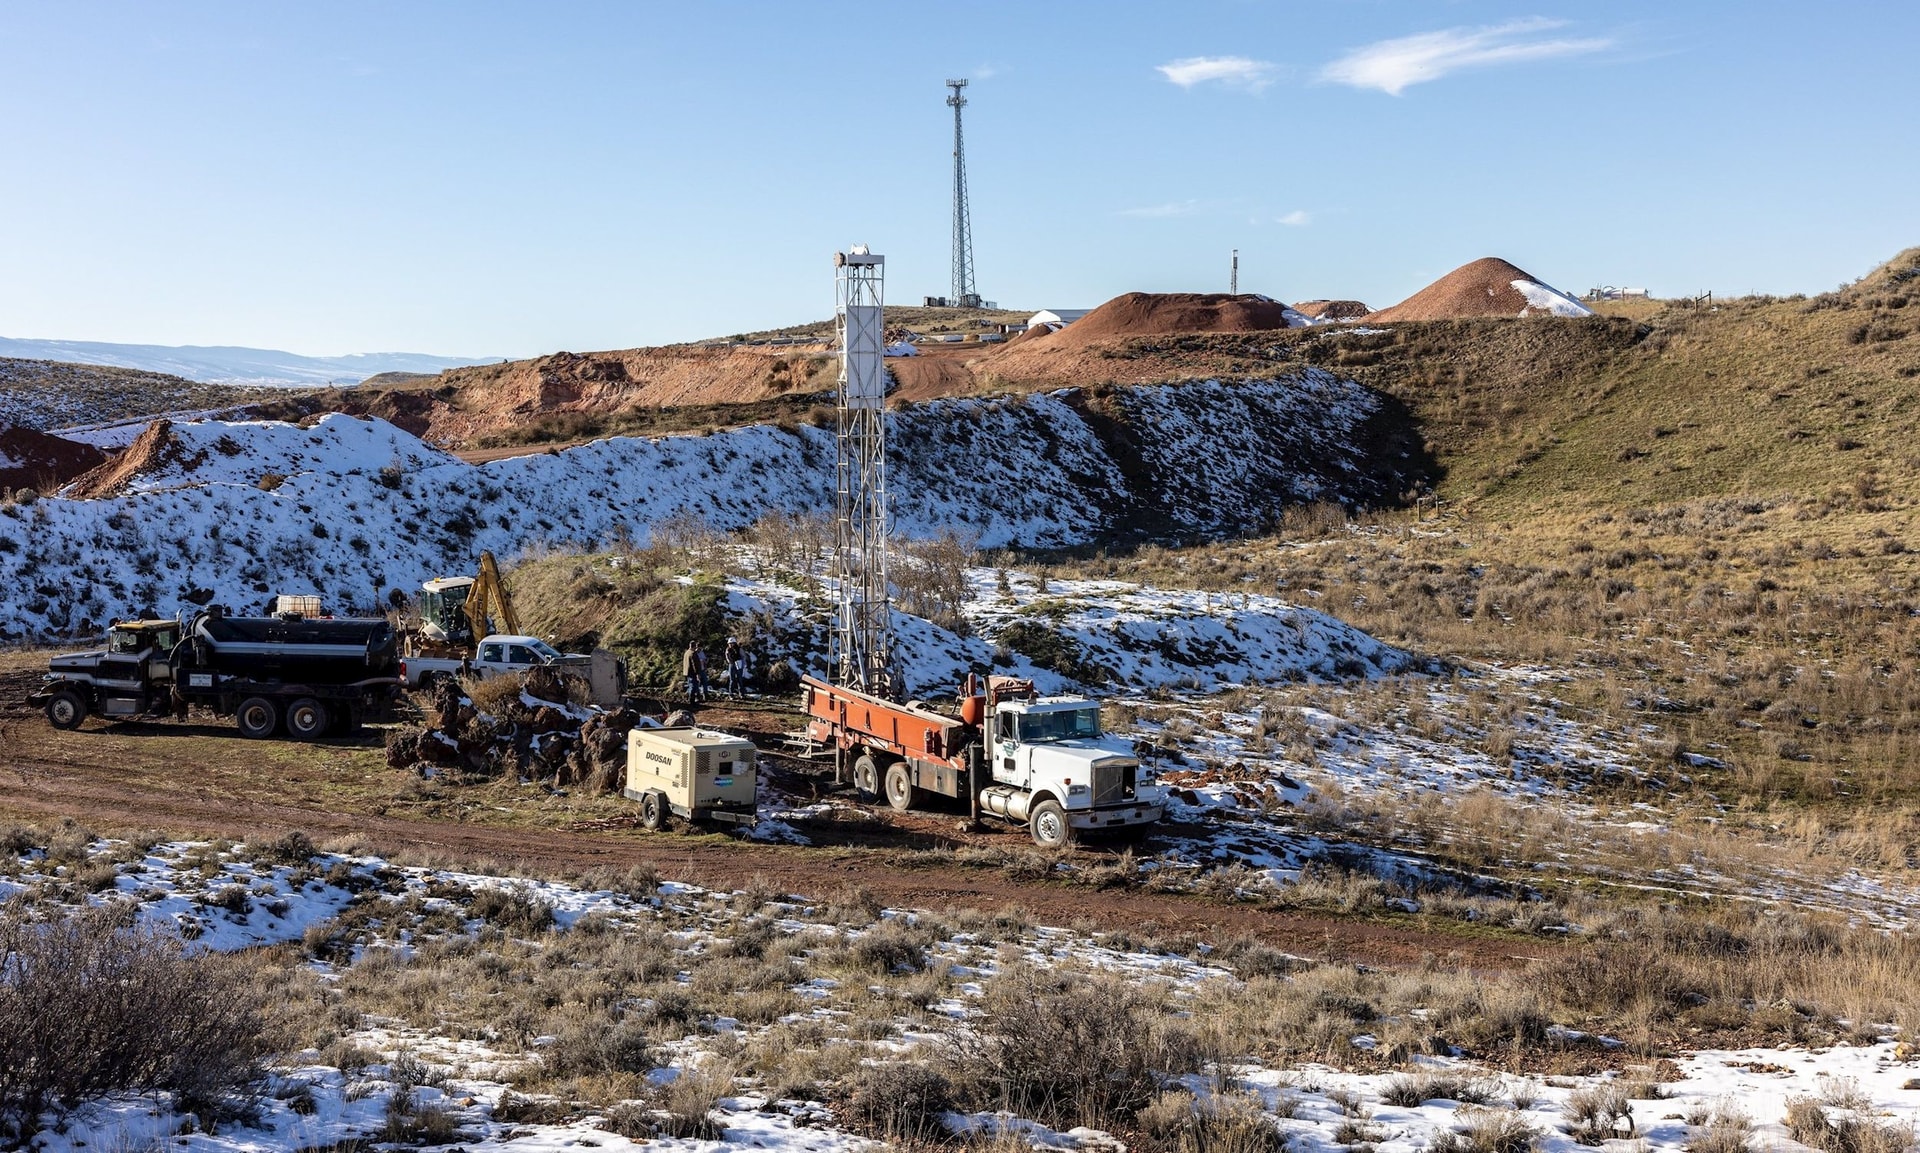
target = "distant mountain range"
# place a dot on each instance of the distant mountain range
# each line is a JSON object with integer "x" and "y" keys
{"x": 222, "y": 365}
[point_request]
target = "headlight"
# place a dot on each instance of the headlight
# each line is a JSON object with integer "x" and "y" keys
{"x": 1078, "y": 790}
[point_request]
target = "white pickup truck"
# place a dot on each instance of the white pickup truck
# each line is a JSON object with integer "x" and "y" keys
{"x": 497, "y": 654}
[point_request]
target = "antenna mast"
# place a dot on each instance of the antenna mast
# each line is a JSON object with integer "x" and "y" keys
{"x": 964, "y": 293}
{"x": 1233, "y": 278}
{"x": 863, "y": 627}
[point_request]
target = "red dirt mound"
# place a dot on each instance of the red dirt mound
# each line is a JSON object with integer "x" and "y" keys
{"x": 31, "y": 459}
{"x": 465, "y": 404}
{"x": 150, "y": 450}
{"x": 1161, "y": 313}
{"x": 1482, "y": 288}
{"x": 1332, "y": 309}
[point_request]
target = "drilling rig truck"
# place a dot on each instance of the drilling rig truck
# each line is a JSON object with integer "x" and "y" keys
{"x": 1011, "y": 754}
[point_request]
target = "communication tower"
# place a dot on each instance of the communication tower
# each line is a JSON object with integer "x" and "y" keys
{"x": 1233, "y": 277}
{"x": 965, "y": 295}
{"x": 862, "y": 655}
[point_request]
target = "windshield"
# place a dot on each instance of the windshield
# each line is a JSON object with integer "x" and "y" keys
{"x": 1059, "y": 726}
{"x": 126, "y": 641}
{"x": 544, "y": 649}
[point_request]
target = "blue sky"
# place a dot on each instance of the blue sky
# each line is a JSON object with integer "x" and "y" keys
{"x": 510, "y": 179}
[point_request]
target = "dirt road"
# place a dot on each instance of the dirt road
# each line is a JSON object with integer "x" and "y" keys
{"x": 199, "y": 779}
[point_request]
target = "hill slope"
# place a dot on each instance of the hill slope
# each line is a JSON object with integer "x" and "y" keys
{"x": 350, "y": 508}
{"x": 45, "y": 394}
{"x": 216, "y": 364}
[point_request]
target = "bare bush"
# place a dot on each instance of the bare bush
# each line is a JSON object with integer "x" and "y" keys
{"x": 1723, "y": 1130}
{"x": 1841, "y": 1121}
{"x": 687, "y": 1103}
{"x": 1594, "y": 1113}
{"x": 1410, "y": 1090}
{"x": 1222, "y": 1123}
{"x": 92, "y": 1003}
{"x": 1065, "y": 1049}
{"x": 931, "y": 576}
{"x": 1490, "y": 1131}
{"x": 513, "y": 909}
{"x": 903, "y": 1102}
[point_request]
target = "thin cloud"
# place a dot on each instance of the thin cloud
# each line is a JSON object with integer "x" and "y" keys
{"x": 1227, "y": 71}
{"x": 1299, "y": 217}
{"x": 1158, "y": 211}
{"x": 1392, "y": 66}
{"x": 986, "y": 72}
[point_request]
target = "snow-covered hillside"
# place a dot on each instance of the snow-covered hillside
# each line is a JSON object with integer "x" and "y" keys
{"x": 221, "y": 364}
{"x": 1072, "y": 635}
{"x": 352, "y": 508}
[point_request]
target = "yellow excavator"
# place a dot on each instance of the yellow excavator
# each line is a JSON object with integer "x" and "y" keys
{"x": 455, "y": 612}
{"x": 461, "y": 616}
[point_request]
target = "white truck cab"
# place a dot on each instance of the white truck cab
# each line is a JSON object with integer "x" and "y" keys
{"x": 1051, "y": 762}
{"x": 498, "y": 654}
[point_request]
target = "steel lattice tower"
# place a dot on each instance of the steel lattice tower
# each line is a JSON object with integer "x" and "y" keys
{"x": 863, "y": 628}
{"x": 964, "y": 294}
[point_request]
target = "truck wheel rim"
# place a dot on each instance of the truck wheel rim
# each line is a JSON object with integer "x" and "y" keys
{"x": 1049, "y": 826}
{"x": 63, "y": 710}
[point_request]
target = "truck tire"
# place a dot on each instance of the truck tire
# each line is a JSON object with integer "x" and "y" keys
{"x": 901, "y": 791}
{"x": 308, "y": 720}
{"x": 653, "y": 811}
{"x": 866, "y": 777}
{"x": 257, "y": 718}
{"x": 1048, "y": 825}
{"x": 66, "y": 710}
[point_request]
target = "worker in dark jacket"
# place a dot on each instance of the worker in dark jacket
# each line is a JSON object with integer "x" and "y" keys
{"x": 693, "y": 666}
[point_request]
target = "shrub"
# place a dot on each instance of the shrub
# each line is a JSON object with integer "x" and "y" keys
{"x": 688, "y": 1101}
{"x": 595, "y": 1048}
{"x": 1223, "y": 1123}
{"x": 1723, "y": 1131}
{"x": 92, "y": 1004}
{"x": 294, "y": 848}
{"x": 1409, "y": 1090}
{"x": 1842, "y": 1123}
{"x": 1492, "y": 1131}
{"x": 889, "y": 946}
{"x": 511, "y": 908}
{"x": 902, "y": 1102}
{"x": 496, "y": 696}
{"x": 1594, "y": 1113}
{"x": 1066, "y": 1050}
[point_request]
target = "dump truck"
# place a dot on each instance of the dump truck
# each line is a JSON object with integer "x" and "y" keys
{"x": 1011, "y": 755}
{"x": 314, "y": 677}
{"x": 692, "y": 773}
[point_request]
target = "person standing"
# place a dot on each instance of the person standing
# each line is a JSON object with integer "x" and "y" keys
{"x": 731, "y": 657}
{"x": 693, "y": 666}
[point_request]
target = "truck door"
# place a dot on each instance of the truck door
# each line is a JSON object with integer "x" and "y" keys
{"x": 124, "y": 664}
{"x": 1010, "y": 763}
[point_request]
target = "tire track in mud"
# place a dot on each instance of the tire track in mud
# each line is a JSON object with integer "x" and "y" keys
{"x": 48, "y": 789}
{"x": 50, "y": 782}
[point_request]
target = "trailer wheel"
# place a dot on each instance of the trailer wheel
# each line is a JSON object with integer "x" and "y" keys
{"x": 66, "y": 710}
{"x": 866, "y": 777}
{"x": 257, "y": 718}
{"x": 901, "y": 792}
{"x": 307, "y": 719}
{"x": 1048, "y": 824}
{"x": 653, "y": 811}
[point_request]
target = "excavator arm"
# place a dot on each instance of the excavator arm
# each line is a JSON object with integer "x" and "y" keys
{"x": 488, "y": 604}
